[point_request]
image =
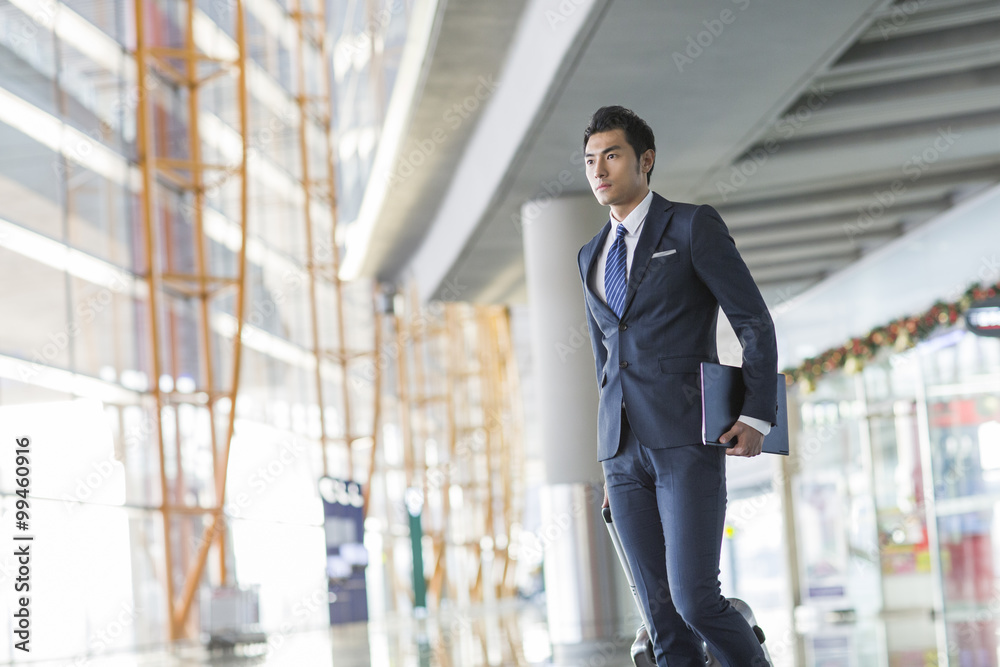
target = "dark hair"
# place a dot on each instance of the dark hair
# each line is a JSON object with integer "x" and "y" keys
{"x": 637, "y": 132}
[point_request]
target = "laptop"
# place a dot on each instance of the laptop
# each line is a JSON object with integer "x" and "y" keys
{"x": 722, "y": 392}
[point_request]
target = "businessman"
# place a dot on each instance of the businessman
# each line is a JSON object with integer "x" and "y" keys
{"x": 654, "y": 278}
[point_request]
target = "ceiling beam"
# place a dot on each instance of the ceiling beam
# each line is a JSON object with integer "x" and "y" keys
{"x": 817, "y": 232}
{"x": 832, "y": 211}
{"x": 861, "y": 185}
{"x": 897, "y": 21}
{"x": 796, "y": 252}
{"x": 933, "y": 106}
{"x": 819, "y": 269}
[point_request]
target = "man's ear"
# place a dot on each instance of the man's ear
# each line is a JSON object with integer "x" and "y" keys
{"x": 646, "y": 163}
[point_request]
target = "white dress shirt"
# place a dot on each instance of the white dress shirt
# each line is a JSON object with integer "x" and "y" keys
{"x": 633, "y": 224}
{"x": 633, "y": 227}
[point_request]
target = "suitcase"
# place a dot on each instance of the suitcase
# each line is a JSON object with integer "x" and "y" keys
{"x": 642, "y": 647}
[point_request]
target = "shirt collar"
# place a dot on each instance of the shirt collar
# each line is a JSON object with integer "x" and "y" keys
{"x": 634, "y": 219}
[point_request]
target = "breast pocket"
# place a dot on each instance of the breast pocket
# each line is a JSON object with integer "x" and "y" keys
{"x": 665, "y": 260}
{"x": 662, "y": 266}
{"x": 668, "y": 255}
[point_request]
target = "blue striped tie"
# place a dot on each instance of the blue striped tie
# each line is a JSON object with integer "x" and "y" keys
{"x": 616, "y": 274}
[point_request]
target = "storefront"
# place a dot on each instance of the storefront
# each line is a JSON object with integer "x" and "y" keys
{"x": 899, "y": 474}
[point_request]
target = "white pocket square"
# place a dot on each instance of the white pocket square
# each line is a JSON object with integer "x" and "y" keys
{"x": 664, "y": 253}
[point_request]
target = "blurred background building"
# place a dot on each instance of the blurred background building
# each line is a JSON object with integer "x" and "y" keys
{"x": 291, "y": 317}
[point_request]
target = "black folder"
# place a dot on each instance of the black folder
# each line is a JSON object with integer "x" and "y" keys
{"x": 722, "y": 392}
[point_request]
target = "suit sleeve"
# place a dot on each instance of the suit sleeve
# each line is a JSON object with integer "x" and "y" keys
{"x": 596, "y": 338}
{"x": 718, "y": 264}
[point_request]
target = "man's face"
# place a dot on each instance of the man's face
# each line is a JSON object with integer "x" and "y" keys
{"x": 613, "y": 168}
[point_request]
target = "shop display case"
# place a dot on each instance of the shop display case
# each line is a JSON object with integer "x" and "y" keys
{"x": 962, "y": 385}
{"x": 896, "y": 488}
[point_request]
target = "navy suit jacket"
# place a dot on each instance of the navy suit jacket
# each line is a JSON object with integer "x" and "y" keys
{"x": 650, "y": 358}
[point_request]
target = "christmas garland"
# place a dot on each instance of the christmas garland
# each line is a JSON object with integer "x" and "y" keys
{"x": 899, "y": 334}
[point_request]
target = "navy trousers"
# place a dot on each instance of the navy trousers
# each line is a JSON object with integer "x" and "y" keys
{"x": 669, "y": 506}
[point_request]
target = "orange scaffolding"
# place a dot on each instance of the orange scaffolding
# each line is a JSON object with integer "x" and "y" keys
{"x": 318, "y": 181}
{"x": 459, "y": 425}
{"x": 455, "y": 392}
{"x": 182, "y": 288}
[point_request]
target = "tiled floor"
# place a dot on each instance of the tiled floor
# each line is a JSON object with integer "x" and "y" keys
{"x": 511, "y": 636}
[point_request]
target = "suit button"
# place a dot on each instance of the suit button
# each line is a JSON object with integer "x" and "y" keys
{"x": 622, "y": 327}
{"x": 623, "y": 364}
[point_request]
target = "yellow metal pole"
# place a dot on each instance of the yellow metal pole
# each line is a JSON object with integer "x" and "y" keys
{"x": 402, "y": 387}
{"x": 451, "y": 366}
{"x": 342, "y": 351}
{"x": 196, "y": 191}
{"x": 302, "y": 99}
{"x": 377, "y": 408}
{"x": 486, "y": 400}
{"x": 217, "y": 527}
{"x": 146, "y": 165}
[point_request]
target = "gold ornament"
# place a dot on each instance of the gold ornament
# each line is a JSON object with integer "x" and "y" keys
{"x": 903, "y": 341}
{"x": 853, "y": 365}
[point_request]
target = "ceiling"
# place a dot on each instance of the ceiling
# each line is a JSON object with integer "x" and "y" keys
{"x": 442, "y": 93}
{"x": 820, "y": 130}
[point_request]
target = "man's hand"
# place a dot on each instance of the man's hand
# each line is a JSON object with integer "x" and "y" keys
{"x": 606, "y": 503}
{"x": 748, "y": 440}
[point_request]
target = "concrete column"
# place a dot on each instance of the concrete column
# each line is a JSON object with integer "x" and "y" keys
{"x": 554, "y": 230}
{"x": 582, "y": 580}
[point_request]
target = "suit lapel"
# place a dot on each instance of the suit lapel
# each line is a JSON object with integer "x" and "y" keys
{"x": 652, "y": 229}
{"x": 596, "y": 245}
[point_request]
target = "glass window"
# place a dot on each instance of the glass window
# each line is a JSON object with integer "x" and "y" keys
{"x": 37, "y": 328}
{"x": 100, "y": 220}
{"x": 108, "y": 15}
{"x": 31, "y": 182}
{"x": 27, "y": 58}
{"x": 963, "y": 388}
{"x": 104, "y": 317}
{"x": 92, "y": 97}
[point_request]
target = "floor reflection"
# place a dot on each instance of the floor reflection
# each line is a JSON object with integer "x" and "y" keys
{"x": 515, "y": 635}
